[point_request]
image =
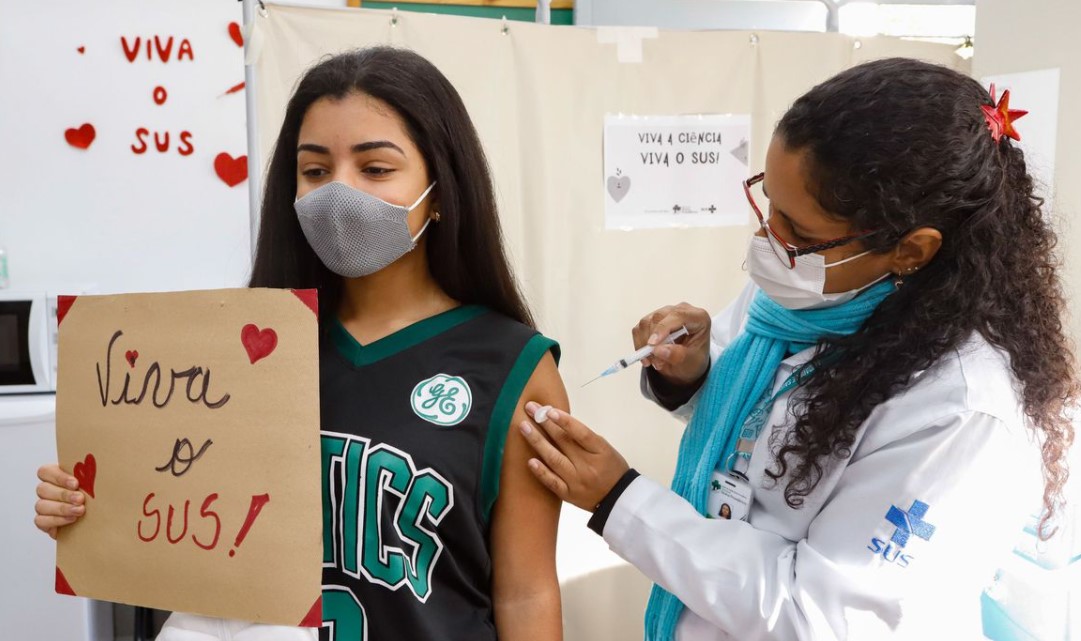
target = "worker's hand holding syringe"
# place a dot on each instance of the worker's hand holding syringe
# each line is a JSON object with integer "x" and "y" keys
{"x": 685, "y": 361}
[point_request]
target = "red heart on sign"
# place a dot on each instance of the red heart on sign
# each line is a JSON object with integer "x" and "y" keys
{"x": 235, "y": 34}
{"x": 232, "y": 171}
{"x": 132, "y": 355}
{"x": 82, "y": 137}
{"x": 85, "y": 471}
{"x": 258, "y": 343}
{"x": 81, "y": 49}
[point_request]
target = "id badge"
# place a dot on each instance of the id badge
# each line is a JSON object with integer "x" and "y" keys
{"x": 730, "y": 496}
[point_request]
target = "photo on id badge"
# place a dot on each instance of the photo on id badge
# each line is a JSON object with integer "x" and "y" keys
{"x": 729, "y": 497}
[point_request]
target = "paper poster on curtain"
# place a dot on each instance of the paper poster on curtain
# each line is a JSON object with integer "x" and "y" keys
{"x": 191, "y": 420}
{"x": 675, "y": 171}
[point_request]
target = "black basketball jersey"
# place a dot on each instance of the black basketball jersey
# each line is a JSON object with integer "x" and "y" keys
{"x": 413, "y": 429}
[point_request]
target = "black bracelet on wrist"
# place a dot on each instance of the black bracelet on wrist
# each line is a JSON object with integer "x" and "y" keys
{"x": 604, "y": 508}
{"x": 669, "y": 395}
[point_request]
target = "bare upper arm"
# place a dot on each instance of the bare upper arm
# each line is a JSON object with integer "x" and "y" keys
{"x": 525, "y": 517}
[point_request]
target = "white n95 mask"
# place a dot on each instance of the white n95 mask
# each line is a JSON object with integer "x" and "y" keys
{"x": 801, "y": 287}
{"x": 353, "y": 232}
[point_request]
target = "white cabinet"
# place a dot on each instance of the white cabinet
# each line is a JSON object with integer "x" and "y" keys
{"x": 29, "y": 607}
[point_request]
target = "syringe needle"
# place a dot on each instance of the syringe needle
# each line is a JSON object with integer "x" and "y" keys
{"x": 642, "y": 353}
{"x": 595, "y": 379}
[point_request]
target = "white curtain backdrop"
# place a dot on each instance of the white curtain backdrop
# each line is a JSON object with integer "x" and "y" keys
{"x": 538, "y": 95}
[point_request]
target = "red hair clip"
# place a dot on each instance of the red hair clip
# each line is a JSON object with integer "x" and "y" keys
{"x": 1000, "y": 117}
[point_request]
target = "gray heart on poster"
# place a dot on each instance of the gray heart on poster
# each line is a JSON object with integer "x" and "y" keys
{"x": 618, "y": 187}
{"x": 740, "y": 152}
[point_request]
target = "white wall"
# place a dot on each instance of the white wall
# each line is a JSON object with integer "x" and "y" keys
{"x": 106, "y": 216}
{"x": 1014, "y": 37}
{"x": 746, "y": 15}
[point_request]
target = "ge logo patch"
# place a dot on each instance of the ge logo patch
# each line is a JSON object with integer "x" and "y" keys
{"x": 442, "y": 400}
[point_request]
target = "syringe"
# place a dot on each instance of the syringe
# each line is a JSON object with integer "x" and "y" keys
{"x": 645, "y": 352}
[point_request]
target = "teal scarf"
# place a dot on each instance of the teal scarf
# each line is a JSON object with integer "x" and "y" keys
{"x": 739, "y": 379}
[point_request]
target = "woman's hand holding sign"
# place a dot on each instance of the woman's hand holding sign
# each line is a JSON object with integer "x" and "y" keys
{"x": 60, "y": 502}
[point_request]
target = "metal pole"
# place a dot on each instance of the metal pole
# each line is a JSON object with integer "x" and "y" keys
{"x": 544, "y": 12}
{"x": 255, "y": 172}
{"x": 833, "y": 23}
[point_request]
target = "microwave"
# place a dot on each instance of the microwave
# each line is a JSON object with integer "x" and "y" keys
{"x": 28, "y": 342}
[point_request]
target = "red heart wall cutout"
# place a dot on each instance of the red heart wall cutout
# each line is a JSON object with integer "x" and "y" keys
{"x": 85, "y": 472}
{"x": 82, "y": 137}
{"x": 258, "y": 343}
{"x": 232, "y": 171}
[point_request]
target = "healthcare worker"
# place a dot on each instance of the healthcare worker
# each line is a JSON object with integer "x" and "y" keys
{"x": 881, "y": 409}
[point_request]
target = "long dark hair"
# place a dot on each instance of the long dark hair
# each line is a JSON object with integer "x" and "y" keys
{"x": 465, "y": 249}
{"x": 900, "y": 144}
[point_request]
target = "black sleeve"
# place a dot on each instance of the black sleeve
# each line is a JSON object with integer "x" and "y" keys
{"x": 670, "y": 396}
{"x": 604, "y": 508}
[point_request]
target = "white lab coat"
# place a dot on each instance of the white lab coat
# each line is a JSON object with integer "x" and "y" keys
{"x": 956, "y": 440}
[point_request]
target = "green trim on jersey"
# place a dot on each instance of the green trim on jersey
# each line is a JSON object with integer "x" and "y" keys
{"x": 503, "y": 412}
{"x": 401, "y": 340}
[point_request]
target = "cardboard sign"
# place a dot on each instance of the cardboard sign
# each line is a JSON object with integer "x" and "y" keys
{"x": 191, "y": 420}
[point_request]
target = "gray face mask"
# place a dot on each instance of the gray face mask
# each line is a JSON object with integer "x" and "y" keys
{"x": 353, "y": 232}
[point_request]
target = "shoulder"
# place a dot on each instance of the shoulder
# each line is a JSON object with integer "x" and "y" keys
{"x": 974, "y": 377}
{"x": 515, "y": 336}
{"x": 972, "y": 383}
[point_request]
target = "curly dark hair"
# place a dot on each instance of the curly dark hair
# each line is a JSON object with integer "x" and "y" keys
{"x": 897, "y": 145}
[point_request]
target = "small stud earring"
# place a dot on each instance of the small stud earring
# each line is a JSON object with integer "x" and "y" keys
{"x": 436, "y": 216}
{"x": 899, "y": 279}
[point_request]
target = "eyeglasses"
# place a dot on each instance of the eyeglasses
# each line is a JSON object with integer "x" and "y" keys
{"x": 785, "y": 251}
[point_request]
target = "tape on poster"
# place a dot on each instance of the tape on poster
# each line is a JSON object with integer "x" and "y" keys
{"x": 628, "y": 41}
